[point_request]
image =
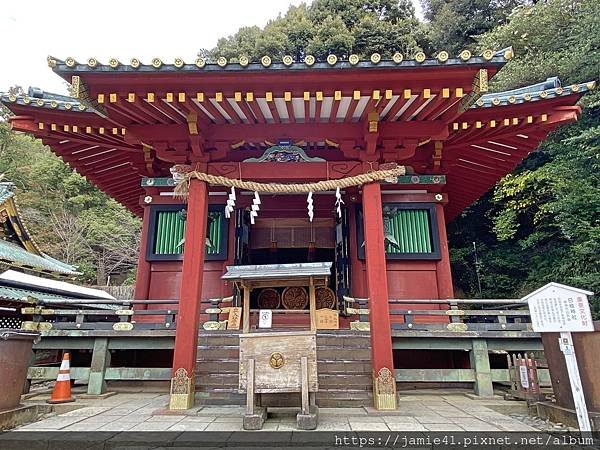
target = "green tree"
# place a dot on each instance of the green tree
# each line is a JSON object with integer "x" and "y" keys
{"x": 339, "y": 27}
{"x": 454, "y": 25}
{"x": 542, "y": 223}
{"x": 69, "y": 218}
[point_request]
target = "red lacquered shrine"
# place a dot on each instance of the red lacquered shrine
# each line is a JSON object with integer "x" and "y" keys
{"x": 134, "y": 130}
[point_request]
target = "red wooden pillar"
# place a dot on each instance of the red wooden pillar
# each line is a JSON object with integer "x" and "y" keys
{"x": 444, "y": 275}
{"x": 188, "y": 317}
{"x": 384, "y": 383}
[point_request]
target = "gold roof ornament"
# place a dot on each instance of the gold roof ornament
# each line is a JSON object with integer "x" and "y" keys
{"x": 331, "y": 60}
{"x": 544, "y": 94}
{"x": 222, "y": 61}
{"x": 591, "y": 85}
{"x": 81, "y": 107}
{"x": 465, "y": 55}
{"x": 70, "y": 62}
{"x": 178, "y": 63}
{"x": 512, "y": 99}
{"x": 92, "y": 62}
{"x": 12, "y": 98}
{"x": 135, "y": 63}
{"x": 309, "y": 60}
{"x": 509, "y": 53}
{"x": 559, "y": 90}
{"x": 200, "y": 63}
{"x": 53, "y": 104}
{"x": 51, "y": 61}
{"x": 527, "y": 96}
{"x": 68, "y": 106}
{"x": 480, "y": 102}
{"x": 442, "y": 56}
{"x": 420, "y": 57}
{"x": 397, "y": 57}
{"x": 496, "y": 101}
{"x": 38, "y": 102}
{"x": 156, "y": 63}
{"x": 574, "y": 88}
{"x": 488, "y": 54}
{"x": 353, "y": 59}
{"x": 26, "y": 100}
{"x": 375, "y": 58}
{"x": 113, "y": 62}
{"x": 244, "y": 61}
{"x": 288, "y": 60}
{"x": 265, "y": 61}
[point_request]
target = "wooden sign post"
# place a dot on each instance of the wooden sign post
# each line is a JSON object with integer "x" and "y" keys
{"x": 556, "y": 308}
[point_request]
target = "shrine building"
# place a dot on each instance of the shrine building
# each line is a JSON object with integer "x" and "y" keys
{"x": 334, "y": 178}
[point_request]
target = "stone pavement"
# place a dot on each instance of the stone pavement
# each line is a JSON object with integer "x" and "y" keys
{"x": 144, "y": 411}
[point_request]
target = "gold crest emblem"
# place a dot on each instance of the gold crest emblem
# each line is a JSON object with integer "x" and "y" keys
{"x": 276, "y": 360}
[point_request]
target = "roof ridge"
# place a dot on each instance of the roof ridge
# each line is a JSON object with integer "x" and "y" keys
{"x": 70, "y": 64}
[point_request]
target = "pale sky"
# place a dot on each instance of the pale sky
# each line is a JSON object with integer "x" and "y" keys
{"x": 30, "y": 30}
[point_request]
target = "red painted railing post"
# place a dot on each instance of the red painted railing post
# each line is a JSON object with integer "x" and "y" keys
{"x": 384, "y": 382}
{"x": 188, "y": 318}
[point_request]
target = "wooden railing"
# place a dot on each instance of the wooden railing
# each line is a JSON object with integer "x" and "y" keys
{"x": 461, "y": 315}
{"x": 476, "y": 326}
{"x": 454, "y": 315}
{"x": 117, "y": 315}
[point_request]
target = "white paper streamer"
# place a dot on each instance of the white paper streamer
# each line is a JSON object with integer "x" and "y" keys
{"x": 338, "y": 202}
{"x": 310, "y": 207}
{"x": 230, "y": 203}
{"x": 255, "y": 207}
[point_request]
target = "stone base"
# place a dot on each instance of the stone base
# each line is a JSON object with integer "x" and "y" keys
{"x": 20, "y": 415}
{"x": 566, "y": 416}
{"x": 96, "y": 396}
{"x": 255, "y": 421}
{"x": 384, "y": 390}
{"x": 182, "y": 390}
{"x": 308, "y": 421}
{"x": 181, "y": 401}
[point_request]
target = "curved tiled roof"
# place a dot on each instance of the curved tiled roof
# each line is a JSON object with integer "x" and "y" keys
{"x": 16, "y": 256}
{"x": 25, "y": 253}
{"x": 550, "y": 88}
{"x": 38, "y": 98}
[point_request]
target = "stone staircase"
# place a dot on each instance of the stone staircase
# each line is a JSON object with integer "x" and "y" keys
{"x": 344, "y": 368}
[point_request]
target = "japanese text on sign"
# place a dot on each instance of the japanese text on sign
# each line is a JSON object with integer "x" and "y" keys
{"x": 556, "y": 313}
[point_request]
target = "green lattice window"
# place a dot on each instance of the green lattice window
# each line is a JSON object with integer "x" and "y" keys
{"x": 410, "y": 231}
{"x": 167, "y": 233}
{"x": 407, "y": 231}
{"x": 170, "y": 232}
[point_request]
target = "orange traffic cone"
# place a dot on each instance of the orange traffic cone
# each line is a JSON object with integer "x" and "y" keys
{"x": 62, "y": 388}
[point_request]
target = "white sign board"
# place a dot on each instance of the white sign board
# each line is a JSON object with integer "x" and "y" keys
{"x": 523, "y": 376}
{"x": 265, "y": 318}
{"x": 557, "y": 308}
